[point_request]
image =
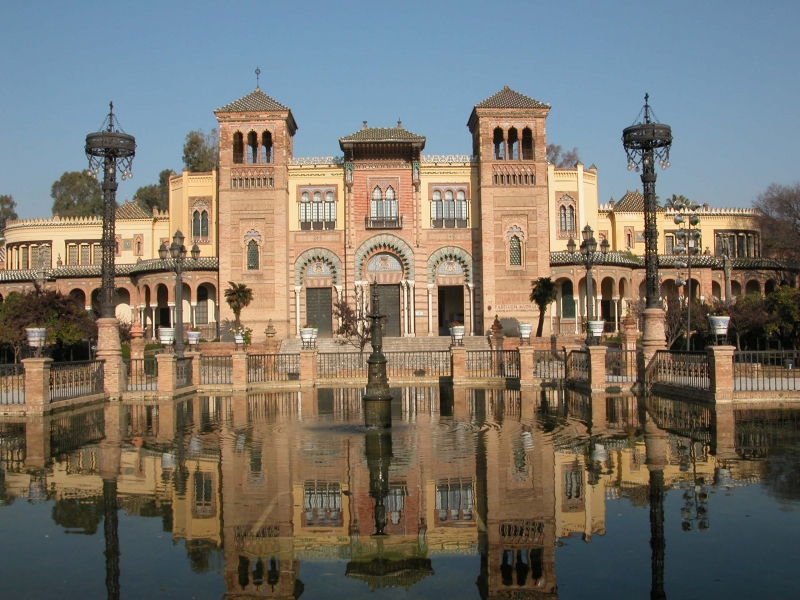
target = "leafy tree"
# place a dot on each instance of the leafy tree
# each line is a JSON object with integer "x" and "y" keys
{"x": 355, "y": 324}
{"x": 155, "y": 195}
{"x": 784, "y": 306}
{"x": 543, "y": 293}
{"x": 7, "y": 210}
{"x": 67, "y": 322}
{"x": 567, "y": 159}
{"x": 238, "y": 296}
{"x": 77, "y": 194}
{"x": 749, "y": 317}
{"x": 200, "y": 151}
{"x": 779, "y": 206}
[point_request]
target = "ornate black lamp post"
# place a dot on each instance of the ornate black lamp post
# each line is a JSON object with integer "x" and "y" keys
{"x": 109, "y": 150}
{"x": 689, "y": 236}
{"x": 645, "y": 143}
{"x": 589, "y": 257}
{"x": 177, "y": 251}
{"x": 377, "y": 399}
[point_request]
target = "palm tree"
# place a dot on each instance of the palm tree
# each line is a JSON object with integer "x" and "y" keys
{"x": 238, "y": 296}
{"x": 543, "y": 293}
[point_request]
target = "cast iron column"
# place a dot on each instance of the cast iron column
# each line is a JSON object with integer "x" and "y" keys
{"x": 109, "y": 150}
{"x": 377, "y": 399}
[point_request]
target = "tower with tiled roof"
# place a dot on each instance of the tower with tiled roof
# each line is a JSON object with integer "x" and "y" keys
{"x": 255, "y": 148}
{"x": 508, "y": 137}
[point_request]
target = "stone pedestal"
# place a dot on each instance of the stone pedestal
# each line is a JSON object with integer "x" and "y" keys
{"x": 526, "y": 359}
{"x": 239, "y": 370}
{"x": 458, "y": 357}
{"x": 720, "y": 372}
{"x": 308, "y": 367}
{"x": 653, "y": 338}
{"x": 37, "y": 383}
{"x": 597, "y": 368}
{"x": 109, "y": 350}
{"x": 629, "y": 336}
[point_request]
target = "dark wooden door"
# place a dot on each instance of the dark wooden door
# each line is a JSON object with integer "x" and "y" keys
{"x": 319, "y": 309}
{"x": 389, "y": 298}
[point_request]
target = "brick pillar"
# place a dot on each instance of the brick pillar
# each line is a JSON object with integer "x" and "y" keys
{"x": 37, "y": 442}
{"x": 599, "y": 422}
{"x": 239, "y": 370}
{"x": 654, "y": 338}
{"x": 166, "y": 422}
{"x": 308, "y": 403}
{"x": 529, "y": 400}
{"x": 37, "y": 382}
{"x": 724, "y": 432}
{"x": 458, "y": 361}
{"x": 111, "y": 444}
{"x": 460, "y": 409}
{"x": 239, "y": 404}
{"x": 628, "y": 335}
{"x": 110, "y": 351}
{"x": 597, "y": 368}
{"x": 720, "y": 372}
{"x": 166, "y": 374}
{"x": 195, "y": 358}
{"x": 526, "y": 354}
{"x": 308, "y": 367}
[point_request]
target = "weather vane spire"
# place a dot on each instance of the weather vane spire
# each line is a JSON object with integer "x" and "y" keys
{"x": 258, "y": 74}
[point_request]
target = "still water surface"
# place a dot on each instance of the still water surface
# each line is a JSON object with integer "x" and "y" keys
{"x": 471, "y": 494}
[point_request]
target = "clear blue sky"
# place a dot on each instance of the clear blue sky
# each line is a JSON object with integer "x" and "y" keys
{"x": 724, "y": 75}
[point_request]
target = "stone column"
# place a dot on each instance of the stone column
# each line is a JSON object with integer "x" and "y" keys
{"x": 469, "y": 324}
{"x": 166, "y": 375}
{"x": 171, "y": 306}
{"x": 308, "y": 367}
{"x": 720, "y": 373}
{"x": 412, "y": 307}
{"x": 615, "y": 299}
{"x": 297, "y": 289}
{"x": 526, "y": 359}
{"x": 430, "y": 310}
{"x": 109, "y": 350}
{"x": 404, "y": 307}
{"x": 239, "y": 370}
{"x": 37, "y": 383}
{"x": 597, "y": 367}
{"x": 458, "y": 362}
{"x": 192, "y": 309}
{"x": 338, "y": 289}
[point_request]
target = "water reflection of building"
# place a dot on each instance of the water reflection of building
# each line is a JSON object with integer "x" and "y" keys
{"x": 263, "y": 483}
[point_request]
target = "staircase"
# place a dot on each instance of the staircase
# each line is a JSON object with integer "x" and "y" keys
{"x": 390, "y": 344}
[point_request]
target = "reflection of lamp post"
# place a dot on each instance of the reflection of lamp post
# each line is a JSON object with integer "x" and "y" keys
{"x": 108, "y": 150}
{"x": 689, "y": 232}
{"x": 177, "y": 251}
{"x": 589, "y": 257}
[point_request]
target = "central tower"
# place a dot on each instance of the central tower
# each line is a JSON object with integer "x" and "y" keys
{"x": 508, "y": 137}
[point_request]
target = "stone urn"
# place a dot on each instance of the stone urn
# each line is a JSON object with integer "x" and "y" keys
{"x": 719, "y": 324}
{"x": 166, "y": 336}
{"x": 193, "y": 337}
{"x": 596, "y": 328}
{"x": 308, "y": 335}
{"x": 525, "y": 330}
{"x": 457, "y": 334}
{"x": 37, "y": 336}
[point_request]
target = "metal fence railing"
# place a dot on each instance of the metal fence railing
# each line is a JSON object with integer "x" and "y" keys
{"x": 183, "y": 372}
{"x": 75, "y": 379}
{"x": 273, "y": 367}
{"x": 549, "y": 364}
{"x": 12, "y": 384}
{"x": 142, "y": 374}
{"x": 216, "y": 370}
{"x": 342, "y": 365}
{"x": 487, "y": 364}
{"x": 578, "y": 365}
{"x": 771, "y": 370}
{"x": 680, "y": 369}
{"x": 621, "y": 365}
{"x": 423, "y": 363}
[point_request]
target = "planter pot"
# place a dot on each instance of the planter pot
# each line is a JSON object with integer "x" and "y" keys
{"x": 238, "y": 338}
{"x": 37, "y": 336}
{"x": 525, "y": 330}
{"x": 457, "y": 332}
{"x": 194, "y": 337}
{"x": 719, "y": 324}
{"x": 596, "y": 328}
{"x": 166, "y": 335}
{"x": 308, "y": 335}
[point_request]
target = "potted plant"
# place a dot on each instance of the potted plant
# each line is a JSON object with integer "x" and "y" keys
{"x": 166, "y": 335}
{"x": 238, "y": 335}
{"x": 193, "y": 335}
{"x": 457, "y": 332}
{"x": 308, "y": 335}
{"x": 719, "y": 317}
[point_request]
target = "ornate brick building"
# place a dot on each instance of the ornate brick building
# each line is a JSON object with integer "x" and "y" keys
{"x": 448, "y": 238}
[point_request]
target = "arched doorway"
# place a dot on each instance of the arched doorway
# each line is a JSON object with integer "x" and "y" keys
{"x": 387, "y": 270}
{"x": 752, "y": 287}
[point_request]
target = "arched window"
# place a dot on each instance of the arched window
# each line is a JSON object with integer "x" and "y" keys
{"x": 391, "y": 203}
{"x": 562, "y": 218}
{"x": 266, "y": 147}
{"x": 200, "y": 224}
{"x": 499, "y": 144}
{"x": 316, "y": 211}
{"x": 513, "y": 144}
{"x": 567, "y": 301}
{"x": 252, "y": 147}
{"x": 204, "y": 224}
{"x": 330, "y": 211}
{"x": 196, "y": 224}
{"x": 571, "y": 218}
{"x": 437, "y": 210}
{"x": 252, "y": 255}
{"x": 376, "y": 206}
{"x": 238, "y": 147}
{"x": 527, "y": 144}
{"x": 201, "y": 310}
{"x": 449, "y": 207}
{"x": 515, "y": 251}
{"x": 305, "y": 211}
{"x": 462, "y": 213}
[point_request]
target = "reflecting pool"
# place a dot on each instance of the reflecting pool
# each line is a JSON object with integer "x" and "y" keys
{"x": 473, "y": 493}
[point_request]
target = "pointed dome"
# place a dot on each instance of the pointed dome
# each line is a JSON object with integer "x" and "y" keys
{"x": 254, "y": 101}
{"x": 508, "y": 98}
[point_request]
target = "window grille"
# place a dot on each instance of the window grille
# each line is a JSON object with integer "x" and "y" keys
{"x": 252, "y": 255}
{"x": 515, "y": 251}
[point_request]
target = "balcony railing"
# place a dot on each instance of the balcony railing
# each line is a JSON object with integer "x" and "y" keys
{"x": 383, "y": 222}
{"x": 449, "y": 223}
